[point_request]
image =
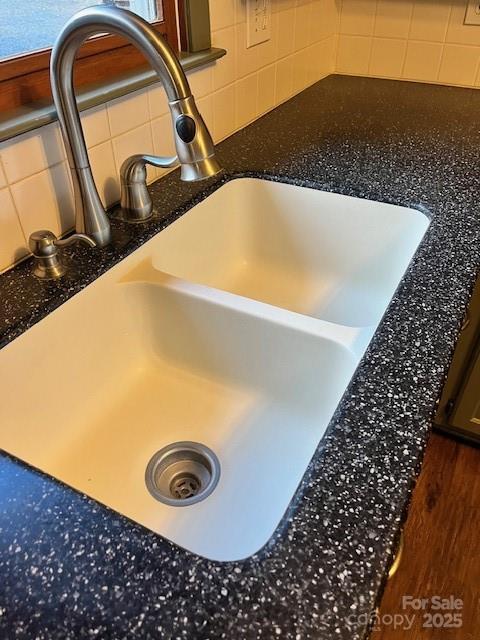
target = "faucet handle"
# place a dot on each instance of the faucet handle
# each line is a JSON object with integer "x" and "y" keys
{"x": 76, "y": 237}
{"x": 135, "y": 200}
{"x": 164, "y": 162}
{"x": 44, "y": 246}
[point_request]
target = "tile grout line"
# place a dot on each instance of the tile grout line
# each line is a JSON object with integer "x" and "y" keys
{"x": 374, "y": 27}
{"x": 442, "y": 55}
{"x": 409, "y": 30}
{"x": 476, "y": 79}
{"x": 340, "y": 13}
{"x": 19, "y": 219}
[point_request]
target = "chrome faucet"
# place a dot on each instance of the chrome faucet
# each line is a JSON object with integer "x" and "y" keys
{"x": 194, "y": 145}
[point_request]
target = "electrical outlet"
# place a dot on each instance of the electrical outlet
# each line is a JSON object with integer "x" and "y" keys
{"x": 472, "y": 15}
{"x": 259, "y": 21}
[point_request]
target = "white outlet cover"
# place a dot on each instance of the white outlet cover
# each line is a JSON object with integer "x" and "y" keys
{"x": 259, "y": 21}
{"x": 472, "y": 16}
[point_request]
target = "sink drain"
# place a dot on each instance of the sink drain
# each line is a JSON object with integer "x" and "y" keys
{"x": 182, "y": 473}
{"x": 185, "y": 486}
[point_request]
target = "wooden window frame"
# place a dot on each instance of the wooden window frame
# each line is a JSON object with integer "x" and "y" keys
{"x": 25, "y": 79}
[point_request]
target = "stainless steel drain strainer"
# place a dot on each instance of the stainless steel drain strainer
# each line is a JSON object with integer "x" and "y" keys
{"x": 182, "y": 473}
{"x": 184, "y": 486}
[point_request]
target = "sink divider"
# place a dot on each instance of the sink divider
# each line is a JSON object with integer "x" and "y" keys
{"x": 355, "y": 339}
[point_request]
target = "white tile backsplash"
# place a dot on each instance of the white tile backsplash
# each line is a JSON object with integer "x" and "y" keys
{"x": 353, "y": 54}
{"x": 457, "y": 32}
{"x": 13, "y": 245}
{"x": 3, "y": 180}
{"x": 32, "y": 152}
{"x": 247, "y": 60}
{"x": 301, "y": 67}
{"x": 430, "y": 21}
{"x": 358, "y": 17}
{"x": 128, "y": 112}
{"x": 387, "y": 57}
{"x": 422, "y": 61}
{"x": 285, "y": 33}
{"x": 157, "y": 101}
{"x": 162, "y": 134}
{"x": 422, "y": 40}
{"x": 240, "y": 87}
{"x": 222, "y": 14}
{"x": 393, "y": 18}
{"x": 138, "y": 140}
{"x": 302, "y": 26}
{"x": 284, "y": 79}
{"x": 104, "y": 171}
{"x": 224, "y": 69}
{"x": 95, "y": 126}
{"x": 224, "y": 112}
{"x": 245, "y": 100}
{"x": 201, "y": 81}
{"x": 266, "y": 89}
{"x": 459, "y": 64}
{"x": 45, "y": 201}
{"x": 205, "y": 106}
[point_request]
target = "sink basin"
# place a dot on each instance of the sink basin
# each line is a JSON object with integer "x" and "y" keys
{"x": 323, "y": 254}
{"x": 180, "y": 342}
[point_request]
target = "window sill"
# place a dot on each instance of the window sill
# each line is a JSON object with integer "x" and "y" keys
{"x": 36, "y": 115}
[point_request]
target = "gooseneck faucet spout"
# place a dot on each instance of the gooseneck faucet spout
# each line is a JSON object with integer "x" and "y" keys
{"x": 193, "y": 142}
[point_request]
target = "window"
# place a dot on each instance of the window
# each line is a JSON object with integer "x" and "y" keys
{"x": 28, "y": 30}
{"x": 46, "y": 18}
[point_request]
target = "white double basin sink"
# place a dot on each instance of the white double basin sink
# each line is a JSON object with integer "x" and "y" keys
{"x": 238, "y": 327}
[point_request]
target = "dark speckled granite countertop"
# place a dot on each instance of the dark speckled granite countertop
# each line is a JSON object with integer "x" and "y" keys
{"x": 70, "y": 568}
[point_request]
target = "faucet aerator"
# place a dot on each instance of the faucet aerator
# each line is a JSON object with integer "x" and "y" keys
{"x": 200, "y": 170}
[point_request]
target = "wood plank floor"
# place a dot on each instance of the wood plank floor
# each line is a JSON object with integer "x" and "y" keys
{"x": 442, "y": 547}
